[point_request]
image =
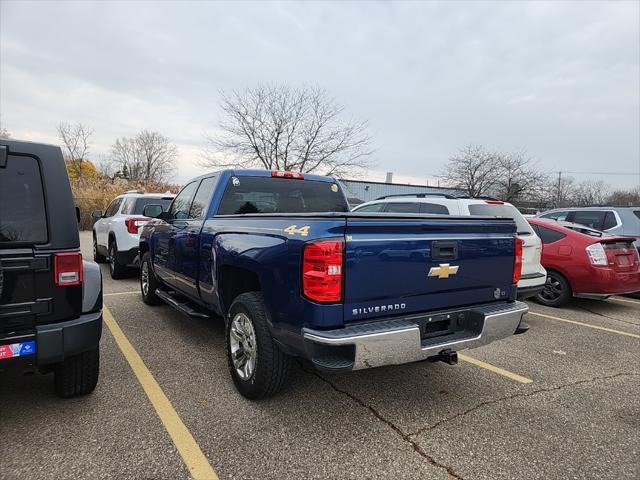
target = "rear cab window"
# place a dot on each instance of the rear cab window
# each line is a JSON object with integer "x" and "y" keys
{"x": 502, "y": 210}
{"x": 23, "y": 216}
{"x": 244, "y": 195}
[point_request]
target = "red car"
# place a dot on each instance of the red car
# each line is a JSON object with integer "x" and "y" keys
{"x": 582, "y": 262}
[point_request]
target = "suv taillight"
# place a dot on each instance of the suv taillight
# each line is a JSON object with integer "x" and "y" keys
{"x": 67, "y": 269}
{"x": 322, "y": 271}
{"x": 133, "y": 224}
{"x": 517, "y": 261}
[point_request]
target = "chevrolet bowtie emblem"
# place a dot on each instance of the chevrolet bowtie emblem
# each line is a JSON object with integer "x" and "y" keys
{"x": 444, "y": 270}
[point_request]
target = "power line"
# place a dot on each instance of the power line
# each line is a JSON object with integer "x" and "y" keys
{"x": 600, "y": 173}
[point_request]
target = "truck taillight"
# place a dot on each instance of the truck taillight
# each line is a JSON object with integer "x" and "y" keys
{"x": 322, "y": 271}
{"x": 67, "y": 269}
{"x": 133, "y": 224}
{"x": 517, "y": 261}
{"x": 279, "y": 174}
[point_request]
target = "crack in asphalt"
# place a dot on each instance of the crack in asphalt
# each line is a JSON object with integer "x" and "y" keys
{"x": 517, "y": 395}
{"x": 607, "y": 316}
{"x": 404, "y": 436}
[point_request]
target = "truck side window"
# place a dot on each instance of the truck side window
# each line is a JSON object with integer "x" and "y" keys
{"x": 182, "y": 203}
{"x": 201, "y": 200}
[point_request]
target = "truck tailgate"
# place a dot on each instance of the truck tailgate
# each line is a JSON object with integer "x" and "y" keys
{"x": 408, "y": 264}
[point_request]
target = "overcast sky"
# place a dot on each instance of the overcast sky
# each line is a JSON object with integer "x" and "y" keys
{"x": 561, "y": 80}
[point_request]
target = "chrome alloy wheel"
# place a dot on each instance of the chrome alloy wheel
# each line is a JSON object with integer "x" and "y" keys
{"x": 243, "y": 344}
{"x": 144, "y": 278}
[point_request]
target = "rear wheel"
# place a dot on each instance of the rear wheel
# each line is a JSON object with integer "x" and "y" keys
{"x": 97, "y": 257}
{"x": 77, "y": 375}
{"x": 116, "y": 269}
{"x": 556, "y": 292}
{"x": 258, "y": 367}
{"x": 148, "y": 281}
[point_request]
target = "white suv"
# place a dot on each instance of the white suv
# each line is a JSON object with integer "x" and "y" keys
{"x": 115, "y": 232}
{"x": 533, "y": 273}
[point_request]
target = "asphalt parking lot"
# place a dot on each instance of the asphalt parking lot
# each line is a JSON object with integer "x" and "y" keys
{"x": 562, "y": 401}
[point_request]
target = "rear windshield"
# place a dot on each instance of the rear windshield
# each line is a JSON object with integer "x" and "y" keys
{"x": 22, "y": 214}
{"x": 498, "y": 210}
{"x": 280, "y": 195}
{"x": 135, "y": 206}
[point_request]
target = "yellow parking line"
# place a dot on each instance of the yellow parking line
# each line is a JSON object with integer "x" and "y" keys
{"x": 120, "y": 293}
{"x": 610, "y": 330}
{"x": 625, "y": 300}
{"x": 494, "y": 369}
{"x": 194, "y": 459}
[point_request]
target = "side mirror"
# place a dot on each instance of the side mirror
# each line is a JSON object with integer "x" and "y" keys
{"x": 96, "y": 214}
{"x": 152, "y": 210}
{"x": 78, "y": 214}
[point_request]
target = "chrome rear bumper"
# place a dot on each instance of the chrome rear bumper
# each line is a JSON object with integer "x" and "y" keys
{"x": 397, "y": 341}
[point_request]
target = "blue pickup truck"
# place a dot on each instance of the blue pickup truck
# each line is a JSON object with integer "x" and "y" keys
{"x": 279, "y": 256}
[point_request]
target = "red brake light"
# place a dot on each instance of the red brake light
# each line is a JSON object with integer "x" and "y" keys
{"x": 279, "y": 174}
{"x": 67, "y": 269}
{"x": 133, "y": 224}
{"x": 322, "y": 271}
{"x": 517, "y": 261}
{"x": 494, "y": 202}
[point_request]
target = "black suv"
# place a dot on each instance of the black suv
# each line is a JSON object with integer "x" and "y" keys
{"x": 50, "y": 299}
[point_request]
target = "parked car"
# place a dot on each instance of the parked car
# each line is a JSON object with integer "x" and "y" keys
{"x": 279, "y": 256}
{"x": 50, "y": 299}
{"x": 533, "y": 276}
{"x": 583, "y": 262}
{"x": 614, "y": 220}
{"x": 115, "y": 232}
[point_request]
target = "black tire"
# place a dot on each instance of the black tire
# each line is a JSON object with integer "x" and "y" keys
{"x": 556, "y": 292}
{"x": 271, "y": 364}
{"x": 77, "y": 375}
{"x": 97, "y": 257}
{"x": 116, "y": 269}
{"x": 150, "y": 297}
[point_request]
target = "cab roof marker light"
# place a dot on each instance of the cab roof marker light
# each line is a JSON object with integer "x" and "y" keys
{"x": 281, "y": 174}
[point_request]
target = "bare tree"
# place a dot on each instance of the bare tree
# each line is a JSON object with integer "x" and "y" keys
{"x": 147, "y": 156}
{"x": 517, "y": 177}
{"x": 474, "y": 170}
{"x": 285, "y": 128}
{"x": 76, "y": 140}
{"x": 4, "y": 133}
{"x": 625, "y": 197}
{"x": 590, "y": 192}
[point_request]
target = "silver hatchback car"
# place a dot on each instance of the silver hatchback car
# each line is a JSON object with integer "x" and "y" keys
{"x": 614, "y": 220}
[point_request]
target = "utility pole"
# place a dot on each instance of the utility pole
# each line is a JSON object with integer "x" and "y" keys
{"x": 559, "y": 185}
